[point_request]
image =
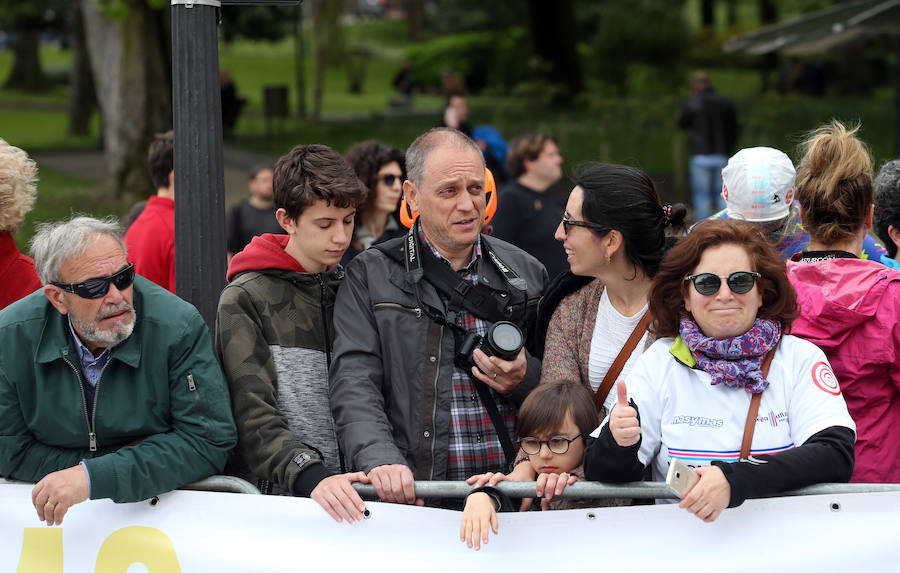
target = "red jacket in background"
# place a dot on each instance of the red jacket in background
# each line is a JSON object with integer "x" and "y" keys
{"x": 151, "y": 242}
{"x": 850, "y": 308}
{"x": 18, "y": 278}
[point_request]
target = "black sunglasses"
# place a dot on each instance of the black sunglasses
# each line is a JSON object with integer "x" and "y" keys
{"x": 739, "y": 282}
{"x": 98, "y": 287}
{"x": 390, "y": 178}
{"x": 557, "y": 444}
{"x": 567, "y": 222}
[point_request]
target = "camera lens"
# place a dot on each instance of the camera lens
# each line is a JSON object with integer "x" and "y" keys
{"x": 505, "y": 340}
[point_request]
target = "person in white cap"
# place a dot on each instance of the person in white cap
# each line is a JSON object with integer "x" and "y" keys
{"x": 758, "y": 186}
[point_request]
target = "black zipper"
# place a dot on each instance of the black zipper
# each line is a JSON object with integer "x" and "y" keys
{"x": 321, "y": 280}
{"x": 434, "y": 382}
{"x": 192, "y": 388}
{"x": 413, "y": 309}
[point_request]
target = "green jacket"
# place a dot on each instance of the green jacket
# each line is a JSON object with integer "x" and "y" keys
{"x": 162, "y": 415}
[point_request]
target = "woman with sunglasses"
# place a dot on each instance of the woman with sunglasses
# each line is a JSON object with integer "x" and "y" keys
{"x": 850, "y": 307}
{"x": 613, "y": 232}
{"x": 381, "y": 168}
{"x": 721, "y": 304}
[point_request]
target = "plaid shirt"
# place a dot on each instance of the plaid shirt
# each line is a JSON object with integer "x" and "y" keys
{"x": 474, "y": 447}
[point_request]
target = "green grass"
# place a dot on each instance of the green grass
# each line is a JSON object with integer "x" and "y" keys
{"x": 55, "y": 62}
{"x": 255, "y": 65}
{"x": 38, "y": 129}
{"x": 61, "y": 195}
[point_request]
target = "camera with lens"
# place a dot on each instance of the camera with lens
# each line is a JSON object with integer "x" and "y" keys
{"x": 503, "y": 339}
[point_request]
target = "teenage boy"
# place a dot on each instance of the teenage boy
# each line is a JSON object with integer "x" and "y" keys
{"x": 274, "y": 332}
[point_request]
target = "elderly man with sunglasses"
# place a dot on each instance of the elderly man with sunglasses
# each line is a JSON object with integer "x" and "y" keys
{"x": 109, "y": 387}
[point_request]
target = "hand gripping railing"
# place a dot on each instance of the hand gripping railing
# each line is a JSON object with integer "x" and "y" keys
{"x": 228, "y": 484}
{"x": 599, "y": 490}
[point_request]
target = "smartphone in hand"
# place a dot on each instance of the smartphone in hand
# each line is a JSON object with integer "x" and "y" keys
{"x": 681, "y": 478}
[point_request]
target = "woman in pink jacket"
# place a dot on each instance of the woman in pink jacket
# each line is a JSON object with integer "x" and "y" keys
{"x": 850, "y": 307}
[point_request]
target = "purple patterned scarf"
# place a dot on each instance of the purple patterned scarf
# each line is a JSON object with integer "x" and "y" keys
{"x": 734, "y": 361}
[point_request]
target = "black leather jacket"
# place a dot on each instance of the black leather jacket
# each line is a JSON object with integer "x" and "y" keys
{"x": 390, "y": 377}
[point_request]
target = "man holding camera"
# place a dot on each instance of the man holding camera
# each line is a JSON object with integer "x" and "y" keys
{"x": 413, "y": 393}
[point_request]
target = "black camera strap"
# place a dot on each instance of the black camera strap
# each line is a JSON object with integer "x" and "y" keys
{"x": 487, "y": 399}
{"x": 477, "y": 299}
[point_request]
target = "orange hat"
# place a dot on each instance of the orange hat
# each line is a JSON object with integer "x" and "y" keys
{"x": 408, "y": 216}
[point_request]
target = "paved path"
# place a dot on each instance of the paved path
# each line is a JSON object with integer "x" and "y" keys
{"x": 90, "y": 164}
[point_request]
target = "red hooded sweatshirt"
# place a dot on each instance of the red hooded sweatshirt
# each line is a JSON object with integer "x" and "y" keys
{"x": 264, "y": 252}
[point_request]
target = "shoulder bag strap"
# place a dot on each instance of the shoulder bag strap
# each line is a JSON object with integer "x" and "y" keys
{"x": 750, "y": 424}
{"x": 616, "y": 368}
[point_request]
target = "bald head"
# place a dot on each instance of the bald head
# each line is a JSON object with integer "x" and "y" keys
{"x": 438, "y": 138}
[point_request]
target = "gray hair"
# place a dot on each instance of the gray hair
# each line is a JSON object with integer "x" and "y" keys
{"x": 57, "y": 242}
{"x": 887, "y": 203}
{"x": 418, "y": 153}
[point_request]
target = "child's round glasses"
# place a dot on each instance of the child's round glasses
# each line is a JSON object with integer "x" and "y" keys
{"x": 557, "y": 444}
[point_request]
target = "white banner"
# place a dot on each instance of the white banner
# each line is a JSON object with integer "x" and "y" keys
{"x": 206, "y": 532}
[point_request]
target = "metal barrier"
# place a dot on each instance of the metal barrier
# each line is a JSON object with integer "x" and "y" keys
{"x": 599, "y": 490}
{"x": 579, "y": 490}
{"x": 227, "y": 484}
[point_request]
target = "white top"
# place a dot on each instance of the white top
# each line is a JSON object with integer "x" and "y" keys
{"x": 684, "y": 416}
{"x": 611, "y": 331}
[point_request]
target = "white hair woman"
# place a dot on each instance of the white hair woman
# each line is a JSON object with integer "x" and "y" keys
{"x": 18, "y": 175}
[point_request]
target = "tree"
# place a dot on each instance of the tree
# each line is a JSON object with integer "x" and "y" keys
{"x": 26, "y": 21}
{"x": 708, "y": 14}
{"x": 553, "y": 41}
{"x": 328, "y": 43}
{"x": 82, "y": 97}
{"x": 650, "y": 32}
{"x": 768, "y": 14}
{"x": 415, "y": 19}
{"x": 129, "y": 43}
{"x": 300, "y": 62}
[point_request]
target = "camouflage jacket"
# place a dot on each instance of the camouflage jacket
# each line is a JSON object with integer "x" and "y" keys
{"x": 274, "y": 333}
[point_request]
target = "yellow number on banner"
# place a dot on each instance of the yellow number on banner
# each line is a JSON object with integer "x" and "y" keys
{"x": 137, "y": 544}
{"x": 42, "y": 551}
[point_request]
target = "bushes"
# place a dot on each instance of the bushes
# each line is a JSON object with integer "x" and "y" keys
{"x": 489, "y": 58}
{"x": 650, "y": 32}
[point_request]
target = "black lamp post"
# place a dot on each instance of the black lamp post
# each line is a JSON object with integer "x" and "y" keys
{"x": 199, "y": 170}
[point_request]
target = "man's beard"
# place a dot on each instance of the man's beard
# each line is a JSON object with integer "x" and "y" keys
{"x": 108, "y": 338}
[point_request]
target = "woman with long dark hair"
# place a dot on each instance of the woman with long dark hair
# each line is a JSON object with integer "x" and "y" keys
{"x": 614, "y": 235}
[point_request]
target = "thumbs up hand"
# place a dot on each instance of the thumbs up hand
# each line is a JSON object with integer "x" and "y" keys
{"x": 623, "y": 420}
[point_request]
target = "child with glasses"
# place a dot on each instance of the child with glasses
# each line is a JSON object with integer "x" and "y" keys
{"x": 553, "y": 424}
